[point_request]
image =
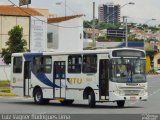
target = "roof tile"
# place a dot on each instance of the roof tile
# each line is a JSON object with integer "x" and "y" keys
{"x": 12, "y": 10}
{"x": 61, "y": 19}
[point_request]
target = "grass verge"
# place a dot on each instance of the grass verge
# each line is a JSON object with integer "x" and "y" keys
{"x": 4, "y": 83}
{"x": 5, "y": 90}
{"x": 5, "y": 86}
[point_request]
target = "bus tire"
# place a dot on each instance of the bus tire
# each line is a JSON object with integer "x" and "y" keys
{"x": 67, "y": 102}
{"x": 120, "y": 103}
{"x": 45, "y": 101}
{"x": 91, "y": 99}
{"x": 38, "y": 97}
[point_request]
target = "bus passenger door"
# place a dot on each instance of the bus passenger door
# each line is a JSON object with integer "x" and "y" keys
{"x": 59, "y": 79}
{"x": 103, "y": 80}
{"x": 27, "y": 78}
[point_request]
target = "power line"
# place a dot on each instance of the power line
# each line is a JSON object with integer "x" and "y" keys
{"x": 43, "y": 20}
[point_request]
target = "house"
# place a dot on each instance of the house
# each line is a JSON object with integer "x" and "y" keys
{"x": 88, "y": 33}
{"x": 65, "y": 33}
{"x": 11, "y": 16}
{"x": 156, "y": 61}
{"x": 45, "y": 12}
{"x": 153, "y": 44}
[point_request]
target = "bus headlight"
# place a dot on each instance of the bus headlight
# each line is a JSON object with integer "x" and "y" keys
{"x": 142, "y": 92}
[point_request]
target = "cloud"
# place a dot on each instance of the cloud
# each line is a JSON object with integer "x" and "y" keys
{"x": 4, "y": 3}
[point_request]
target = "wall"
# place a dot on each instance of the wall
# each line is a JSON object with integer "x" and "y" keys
{"x": 5, "y": 72}
{"x": 7, "y": 23}
{"x": 67, "y": 39}
{"x": 38, "y": 35}
{"x": 156, "y": 57}
{"x": 108, "y": 44}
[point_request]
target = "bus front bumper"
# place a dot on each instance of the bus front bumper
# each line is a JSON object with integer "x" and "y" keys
{"x": 117, "y": 97}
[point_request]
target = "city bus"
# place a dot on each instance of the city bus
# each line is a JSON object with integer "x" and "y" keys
{"x": 102, "y": 75}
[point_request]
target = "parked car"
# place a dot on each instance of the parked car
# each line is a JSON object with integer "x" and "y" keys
{"x": 158, "y": 71}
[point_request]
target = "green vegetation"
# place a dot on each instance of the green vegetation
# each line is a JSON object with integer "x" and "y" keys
{"x": 101, "y": 25}
{"x": 15, "y": 43}
{"x": 105, "y": 25}
{"x": 5, "y": 83}
{"x": 5, "y": 90}
{"x": 5, "y": 86}
{"x": 152, "y": 72}
{"x": 132, "y": 38}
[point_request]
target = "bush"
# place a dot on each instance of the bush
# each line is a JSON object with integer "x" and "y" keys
{"x": 4, "y": 83}
{"x": 152, "y": 72}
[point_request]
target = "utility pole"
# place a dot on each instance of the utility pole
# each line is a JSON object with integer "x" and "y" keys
{"x": 126, "y": 28}
{"x": 94, "y": 42}
{"x": 126, "y": 33}
{"x": 65, "y": 8}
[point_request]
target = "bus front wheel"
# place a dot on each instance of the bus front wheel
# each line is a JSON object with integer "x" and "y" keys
{"x": 91, "y": 99}
{"x": 120, "y": 103}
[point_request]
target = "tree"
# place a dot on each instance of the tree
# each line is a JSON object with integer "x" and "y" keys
{"x": 15, "y": 44}
{"x": 106, "y": 25}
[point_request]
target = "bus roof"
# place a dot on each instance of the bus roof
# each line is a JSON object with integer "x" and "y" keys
{"x": 76, "y": 52}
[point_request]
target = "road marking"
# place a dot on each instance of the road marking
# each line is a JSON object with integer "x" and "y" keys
{"x": 155, "y": 92}
{"x": 14, "y": 98}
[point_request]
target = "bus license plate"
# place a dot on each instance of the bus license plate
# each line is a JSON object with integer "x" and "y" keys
{"x": 133, "y": 98}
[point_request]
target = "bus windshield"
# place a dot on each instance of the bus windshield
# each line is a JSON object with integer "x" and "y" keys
{"x": 128, "y": 70}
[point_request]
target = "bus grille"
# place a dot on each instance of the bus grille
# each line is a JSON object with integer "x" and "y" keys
{"x": 131, "y": 92}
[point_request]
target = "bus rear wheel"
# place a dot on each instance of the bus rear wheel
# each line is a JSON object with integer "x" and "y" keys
{"x": 91, "y": 99}
{"x": 120, "y": 103}
{"x": 38, "y": 97}
{"x": 67, "y": 102}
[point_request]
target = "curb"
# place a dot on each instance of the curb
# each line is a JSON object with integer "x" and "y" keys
{"x": 7, "y": 94}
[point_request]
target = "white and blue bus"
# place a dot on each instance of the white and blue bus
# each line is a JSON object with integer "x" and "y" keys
{"x": 106, "y": 75}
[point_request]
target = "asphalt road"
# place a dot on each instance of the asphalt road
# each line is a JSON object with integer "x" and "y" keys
{"x": 26, "y": 105}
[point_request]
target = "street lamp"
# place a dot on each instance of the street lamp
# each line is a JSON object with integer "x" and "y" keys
{"x": 126, "y": 28}
{"x": 65, "y": 4}
{"x": 128, "y": 3}
{"x": 126, "y": 38}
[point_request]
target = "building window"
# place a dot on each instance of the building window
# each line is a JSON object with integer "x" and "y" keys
{"x": 42, "y": 64}
{"x": 158, "y": 61}
{"x": 17, "y": 65}
{"x": 74, "y": 63}
{"x": 50, "y": 37}
{"x": 89, "y": 63}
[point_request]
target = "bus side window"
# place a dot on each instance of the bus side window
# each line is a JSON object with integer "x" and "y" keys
{"x": 42, "y": 64}
{"x": 17, "y": 65}
{"x": 89, "y": 63}
{"x": 47, "y": 64}
{"x": 37, "y": 64}
{"x": 74, "y": 63}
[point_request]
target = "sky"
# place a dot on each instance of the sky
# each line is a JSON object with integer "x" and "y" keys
{"x": 141, "y": 12}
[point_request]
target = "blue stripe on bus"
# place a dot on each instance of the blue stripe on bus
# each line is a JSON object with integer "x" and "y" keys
{"x": 43, "y": 78}
{"x": 29, "y": 56}
{"x": 40, "y": 76}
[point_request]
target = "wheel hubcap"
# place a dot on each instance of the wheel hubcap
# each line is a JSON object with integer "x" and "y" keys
{"x": 89, "y": 99}
{"x": 38, "y": 96}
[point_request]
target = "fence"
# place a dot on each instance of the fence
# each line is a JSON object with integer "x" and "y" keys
{"x": 5, "y": 72}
